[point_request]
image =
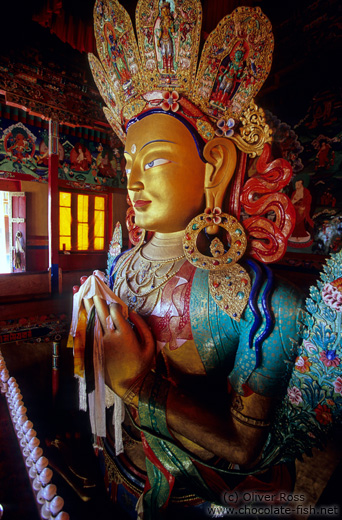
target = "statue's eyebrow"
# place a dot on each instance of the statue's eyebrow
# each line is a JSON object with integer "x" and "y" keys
{"x": 150, "y": 142}
{"x": 156, "y": 141}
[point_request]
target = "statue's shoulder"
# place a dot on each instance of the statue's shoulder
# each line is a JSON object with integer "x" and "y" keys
{"x": 247, "y": 298}
{"x": 269, "y": 333}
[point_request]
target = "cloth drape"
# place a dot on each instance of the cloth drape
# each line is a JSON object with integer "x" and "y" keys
{"x": 101, "y": 396}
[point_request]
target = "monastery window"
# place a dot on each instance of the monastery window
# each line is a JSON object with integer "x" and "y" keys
{"x": 82, "y": 221}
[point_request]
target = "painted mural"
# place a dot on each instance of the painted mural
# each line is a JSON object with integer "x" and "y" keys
{"x": 82, "y": 162}
{"x": 321, "y": 137}
{"x": 314, "y": 149}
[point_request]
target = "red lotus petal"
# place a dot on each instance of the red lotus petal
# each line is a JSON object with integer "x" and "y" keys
{"x": 174, "y": 107}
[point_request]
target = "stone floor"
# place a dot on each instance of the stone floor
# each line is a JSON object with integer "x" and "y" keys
{"x": 318, "y": 477}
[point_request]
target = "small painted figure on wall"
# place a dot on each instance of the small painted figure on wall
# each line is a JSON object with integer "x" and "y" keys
{"x": 80, "y": 158}
{"x": 301, "y": 199}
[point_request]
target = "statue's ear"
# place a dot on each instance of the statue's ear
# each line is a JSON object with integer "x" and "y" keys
{"x": 220, "y": 156}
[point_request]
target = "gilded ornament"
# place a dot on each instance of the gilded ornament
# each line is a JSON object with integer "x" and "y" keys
{"x": 160, "y": 67}
{"x": 254, "y": 132}
{"x": 229, "y": 283}
{"x": 230, "y": 289}
{"x": 144, "y": 277}
{"x": 133, "y": 109}
{"x": 114, "y": 124}
{"x": 220, "y": 258}
{"x": 205, "y": 130}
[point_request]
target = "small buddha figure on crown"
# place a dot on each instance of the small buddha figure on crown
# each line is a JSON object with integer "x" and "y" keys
{"x": 165, "y": 40}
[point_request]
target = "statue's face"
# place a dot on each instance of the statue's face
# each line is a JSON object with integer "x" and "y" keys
{"x": 165, "y": 175}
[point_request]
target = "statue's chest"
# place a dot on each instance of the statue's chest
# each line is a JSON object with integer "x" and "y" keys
{"x": 181, "y": 323}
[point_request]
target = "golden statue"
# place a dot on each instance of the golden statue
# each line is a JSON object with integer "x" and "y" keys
{"x": 206, "y": 353}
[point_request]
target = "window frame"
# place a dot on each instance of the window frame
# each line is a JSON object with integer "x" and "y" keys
{"x": 91, "y": 222}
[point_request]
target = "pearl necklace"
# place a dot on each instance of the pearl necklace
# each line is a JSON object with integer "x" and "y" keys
{"x": 146, "y": 277}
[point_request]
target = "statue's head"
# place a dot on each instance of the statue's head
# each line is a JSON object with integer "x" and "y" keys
{"x": 165, "y": 8}
{"x": 184, "y": 137}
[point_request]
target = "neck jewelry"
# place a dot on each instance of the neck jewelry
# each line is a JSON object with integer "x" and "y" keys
{"x": 144, "y": 277}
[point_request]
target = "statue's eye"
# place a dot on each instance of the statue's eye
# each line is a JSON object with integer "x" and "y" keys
{"x": 156, "y": 162}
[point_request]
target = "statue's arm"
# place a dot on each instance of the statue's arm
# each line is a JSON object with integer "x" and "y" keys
{"x": 232, "y": 424}
{"x": 234, "y": 427}
{"x": 203, "y": 417}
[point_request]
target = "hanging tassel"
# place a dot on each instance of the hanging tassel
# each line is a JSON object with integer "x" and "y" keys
{"x": 140, "y": 507}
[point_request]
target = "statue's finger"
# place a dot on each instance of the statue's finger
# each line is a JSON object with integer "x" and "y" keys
{"x": 102, "y": 310}
{"x": 118, "y": 319}
{"x": 142, "y": 328}
{"x": 88, "y": 303}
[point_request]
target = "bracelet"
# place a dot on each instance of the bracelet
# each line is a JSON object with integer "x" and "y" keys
{"x": 250, "y": 421}
{"x": 134, "y": 390}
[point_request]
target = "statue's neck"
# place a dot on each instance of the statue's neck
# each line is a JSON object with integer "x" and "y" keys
{"x": 163, "y": 246}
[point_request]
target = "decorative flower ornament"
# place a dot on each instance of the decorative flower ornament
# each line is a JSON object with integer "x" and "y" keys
{"x": 329, "y": 358}
{"x": 213, "y": 215}
{"x": 338, "y": 385}
{"x": 170, "y": 101}
{"x": 310, "y": 347}
{"x": 225, "y": 128}
{"x": 303, "y": 364}
{"x": 295, "y": 395}
{"x": 332, "y": 294}
{"x": 323, "y": 414}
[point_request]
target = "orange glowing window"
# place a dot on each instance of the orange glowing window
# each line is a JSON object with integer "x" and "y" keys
{"x": 82, "y": 222}
{"x": 64, "y": 221}
{"x": 99, "y": 223}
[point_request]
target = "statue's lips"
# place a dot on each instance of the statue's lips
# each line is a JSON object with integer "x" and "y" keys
{"x": 141, "y": 203}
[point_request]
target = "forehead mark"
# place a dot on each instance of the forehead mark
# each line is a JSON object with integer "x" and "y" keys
{"x": 133, "y": 148}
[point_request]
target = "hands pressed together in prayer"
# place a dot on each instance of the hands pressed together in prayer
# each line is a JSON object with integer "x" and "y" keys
{"x": 129, "y": 351}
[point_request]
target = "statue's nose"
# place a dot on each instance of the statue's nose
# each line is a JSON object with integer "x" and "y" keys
{"x": 135, "y": 186}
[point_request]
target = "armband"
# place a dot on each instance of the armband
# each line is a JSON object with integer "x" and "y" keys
{"x": 250, "y": 421}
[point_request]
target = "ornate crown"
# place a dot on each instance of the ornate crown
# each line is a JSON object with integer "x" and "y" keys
{"x": 159, "y": 70}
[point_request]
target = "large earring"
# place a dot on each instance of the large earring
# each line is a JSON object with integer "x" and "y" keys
{"x": 229, "y": 283}
{"x": 220, "y": 258}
